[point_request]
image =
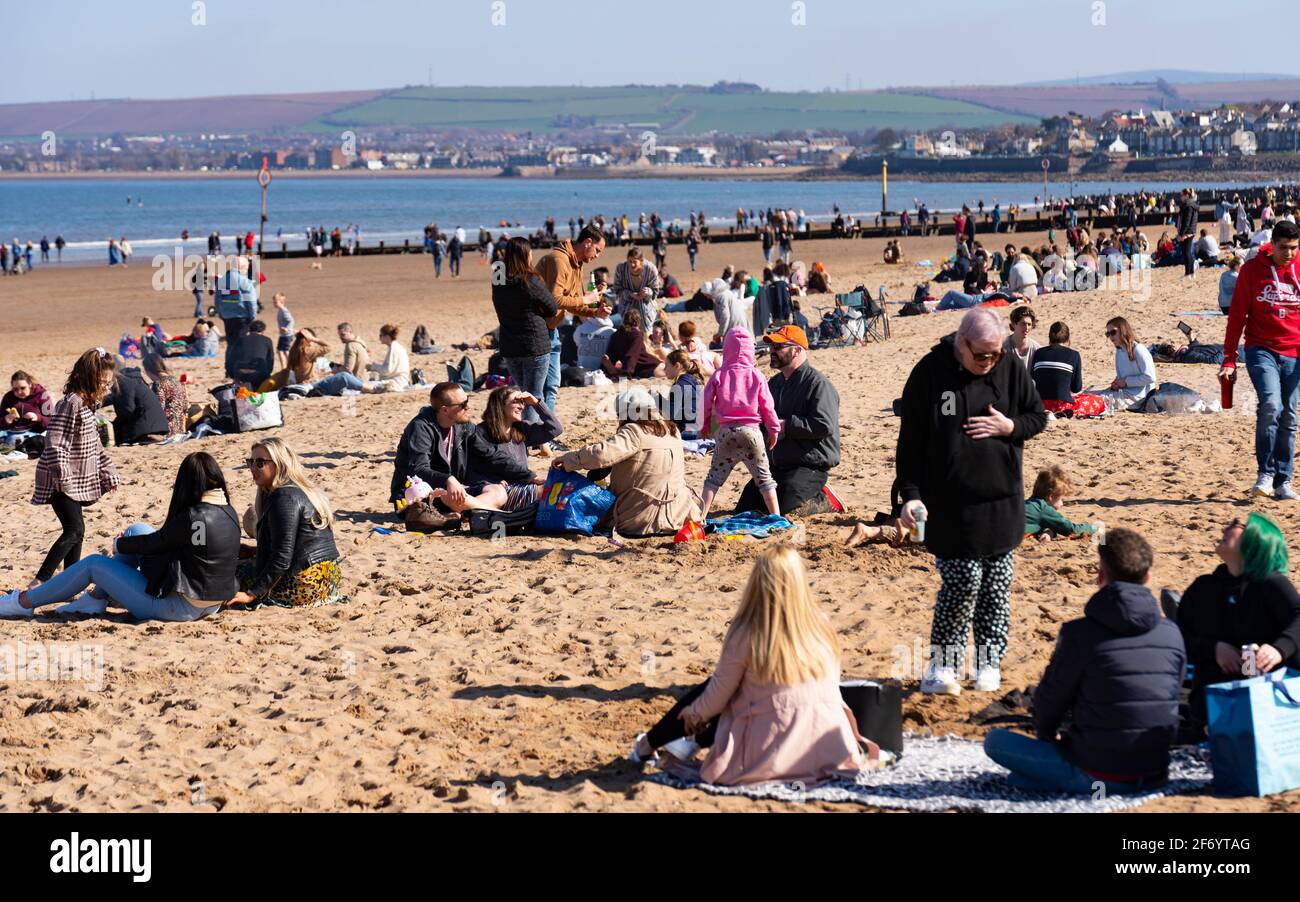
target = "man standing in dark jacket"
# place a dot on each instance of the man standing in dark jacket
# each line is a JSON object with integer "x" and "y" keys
{"x": 138, "y": 414}
{"x": 1189, "y": 213}
{"x": 809, "y": 447}
{"x": 1117, "y": 674}
{"x": 967, "y": 411}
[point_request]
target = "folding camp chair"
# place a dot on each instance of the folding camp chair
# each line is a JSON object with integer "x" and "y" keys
{"x": 876, "y": 313}
{"x": 845, "y": 324}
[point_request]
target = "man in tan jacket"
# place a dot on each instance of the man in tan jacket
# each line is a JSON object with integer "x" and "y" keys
{"x": 356, "y": 356}
{"x": 561, "y": 271}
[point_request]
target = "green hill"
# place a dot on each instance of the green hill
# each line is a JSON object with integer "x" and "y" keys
{"x": 670, "y": 111}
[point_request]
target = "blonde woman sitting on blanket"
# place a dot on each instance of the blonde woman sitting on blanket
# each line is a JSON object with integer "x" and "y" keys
{"x": 772, "y": 709}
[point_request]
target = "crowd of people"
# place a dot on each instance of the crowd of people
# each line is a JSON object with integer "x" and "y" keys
{"x": 1107, "y": 708}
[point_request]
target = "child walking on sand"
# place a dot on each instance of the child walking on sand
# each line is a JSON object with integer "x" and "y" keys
{"x": 738, "y": 400}
{"x": 1043, "y": 517}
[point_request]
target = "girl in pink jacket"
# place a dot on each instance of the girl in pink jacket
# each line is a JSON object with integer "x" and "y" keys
{"x": 772, "y": 710}
{"x": 737, "y": 400}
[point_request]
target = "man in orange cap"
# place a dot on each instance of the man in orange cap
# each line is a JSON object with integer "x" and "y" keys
{"x": 809, "y": 447}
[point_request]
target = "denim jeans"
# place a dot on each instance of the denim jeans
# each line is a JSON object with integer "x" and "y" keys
{"x": 1277, "y": 383}
{"x": 959, "y": 300}
{"x": 1037, "y": 766}
{"x": 120, "y": 579}
{"x": 530, "y": 374}
{"x": 553, "y": 372}
{"x": 335, "y": 385}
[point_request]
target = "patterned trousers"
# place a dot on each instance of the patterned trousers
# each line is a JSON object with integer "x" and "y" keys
{"x": 977, "y": 589}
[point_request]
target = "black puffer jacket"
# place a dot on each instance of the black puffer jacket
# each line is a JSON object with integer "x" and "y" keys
{"x": 287, "y": 543}
{"x": 973, "y": 490}
{"x": 1118, "y": 672}
{"x": 523, "y": 306}
{"x": 207, "y": 567}
{"x": 137, "y": 410}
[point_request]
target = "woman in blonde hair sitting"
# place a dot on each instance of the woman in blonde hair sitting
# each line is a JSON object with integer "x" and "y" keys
{"x": 772, "y": 710}
{"x": 297, "y": 561}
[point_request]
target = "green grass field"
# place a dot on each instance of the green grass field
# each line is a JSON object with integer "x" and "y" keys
{"x": 673, "y": 113}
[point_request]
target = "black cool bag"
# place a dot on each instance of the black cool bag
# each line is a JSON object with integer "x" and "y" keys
{"x": 497, "y": 524}
{"x": 878, "y": 709}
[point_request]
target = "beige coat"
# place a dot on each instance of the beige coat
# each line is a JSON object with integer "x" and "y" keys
{"x": 768, "y": 733}
{"x": 648, "y": 480}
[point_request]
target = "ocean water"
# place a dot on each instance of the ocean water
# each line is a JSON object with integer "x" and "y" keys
{"x": 88, "y": 212}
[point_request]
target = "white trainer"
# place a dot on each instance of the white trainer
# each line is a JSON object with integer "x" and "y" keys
{"x": 1263, "y": 487}
{"x": 1285, "y": 492}
{"x": 10, "y": 609}
{"x": 988, "y": 679}
{"x": 682, "y": 749}
{"x": 84, "y": 604}
{"x": 940, "y": 681}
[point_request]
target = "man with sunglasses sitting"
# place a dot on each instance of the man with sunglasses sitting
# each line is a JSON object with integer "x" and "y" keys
{"x": 966, "y": 412}
{"x": 435, "y": 447}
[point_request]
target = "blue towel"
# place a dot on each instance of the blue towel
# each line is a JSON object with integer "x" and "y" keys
{"x": 760, "y": 526}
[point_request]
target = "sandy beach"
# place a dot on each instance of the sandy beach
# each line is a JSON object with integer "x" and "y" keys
{"x": 512, "y": 676}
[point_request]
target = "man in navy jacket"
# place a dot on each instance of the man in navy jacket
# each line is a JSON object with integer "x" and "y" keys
{"x": 1116, "y": 674}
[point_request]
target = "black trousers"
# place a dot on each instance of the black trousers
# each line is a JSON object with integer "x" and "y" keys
{"x": 1189, "y": 256}
{"x": 795, "y": 486}
{"x": 235, "y": 329}
{"x": 67, "y": 547}
{"x": 670, "y": 727}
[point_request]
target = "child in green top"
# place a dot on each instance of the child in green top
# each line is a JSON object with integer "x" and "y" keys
{"x": 1043, "y": 517}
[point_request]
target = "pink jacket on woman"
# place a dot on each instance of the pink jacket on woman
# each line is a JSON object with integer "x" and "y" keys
{"x": 768, "y": 732}
{"x": 737, "y": 394}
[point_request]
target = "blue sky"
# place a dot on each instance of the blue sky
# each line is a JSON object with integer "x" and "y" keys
{"x": 65, "y": 49}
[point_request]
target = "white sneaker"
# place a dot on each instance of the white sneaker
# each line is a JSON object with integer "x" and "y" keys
{"x": 84, "y": 604}
{"x": 682, "y": 749}
{"x": 636, "y": 757}
{"x": 1263, "y": 486}
{"x": 1286, "y": 493}
{"x": 988, "y": 679}
{"x": 940, "y": 681}
{"x": 10, "y": 609}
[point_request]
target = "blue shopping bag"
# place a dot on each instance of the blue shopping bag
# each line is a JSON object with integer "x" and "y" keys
{"x": 571, "y": 502}
{"x": 1255, "y": 734}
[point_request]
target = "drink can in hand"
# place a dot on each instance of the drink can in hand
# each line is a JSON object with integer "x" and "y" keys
{"x": 1225, "y": 391}
{"x": 917, "y": 535}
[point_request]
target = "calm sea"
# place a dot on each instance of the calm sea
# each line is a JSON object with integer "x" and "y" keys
{"x": 153, "y": 213}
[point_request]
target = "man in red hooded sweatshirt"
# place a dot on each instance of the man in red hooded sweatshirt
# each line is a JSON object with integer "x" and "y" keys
{"x": 1266, "y": 307}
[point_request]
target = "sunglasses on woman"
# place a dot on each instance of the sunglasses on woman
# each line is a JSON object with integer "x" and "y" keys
{"x": 1111, "y": 333}
{"x": 257, "y": 463}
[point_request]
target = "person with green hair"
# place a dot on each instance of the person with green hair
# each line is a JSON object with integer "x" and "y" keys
{"x": 1248, "y": 601}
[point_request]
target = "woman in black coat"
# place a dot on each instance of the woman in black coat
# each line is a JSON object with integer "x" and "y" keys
{"x": 966, "y": 412}
{"x": 138, "y": 414}
{"x": 523, "y": 304}
{"x": 1247, "y": 601}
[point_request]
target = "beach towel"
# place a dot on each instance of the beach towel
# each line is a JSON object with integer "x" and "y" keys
{"x": 947, "y": 774}
{"x": 760, "y": 526}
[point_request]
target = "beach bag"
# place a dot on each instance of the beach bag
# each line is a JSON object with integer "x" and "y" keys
{"x": 493, "y": 524}
{"x": 878, "y": 709}
{"x": 255, "y": 412}
{"x": 571, "y": 503}
{"x": 1255, "y": 734}
{"x": 462, "y": 374}
{"x": 1172, "y": 398}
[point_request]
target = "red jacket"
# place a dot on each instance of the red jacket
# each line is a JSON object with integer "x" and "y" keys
{"x": 1266, "y": 307}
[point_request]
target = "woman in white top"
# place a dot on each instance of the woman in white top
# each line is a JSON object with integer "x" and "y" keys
{"x": 1135, "y": 371}
{"x": 394, "y": 372}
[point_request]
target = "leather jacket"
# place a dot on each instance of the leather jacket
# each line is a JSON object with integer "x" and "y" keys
{"x": 287, "y": 543}
{"x": 204, "y": 543}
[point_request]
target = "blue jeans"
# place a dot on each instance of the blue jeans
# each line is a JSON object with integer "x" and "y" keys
{"x": 437, "y": 266}
{"x": 335, "y": 385}
{"x": 957, "y": 300}
{"x": 553, "y": 372}
{"x": 119, "y": 578}
{"x": 1277, "y": 383}
{"x": 1037, "y": 766}
{"x": 531, "y": 374}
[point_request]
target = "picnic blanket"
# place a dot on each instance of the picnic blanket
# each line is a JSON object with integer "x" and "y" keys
{"x": 948, "y": 774}
{"x": 760, "y": 526}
